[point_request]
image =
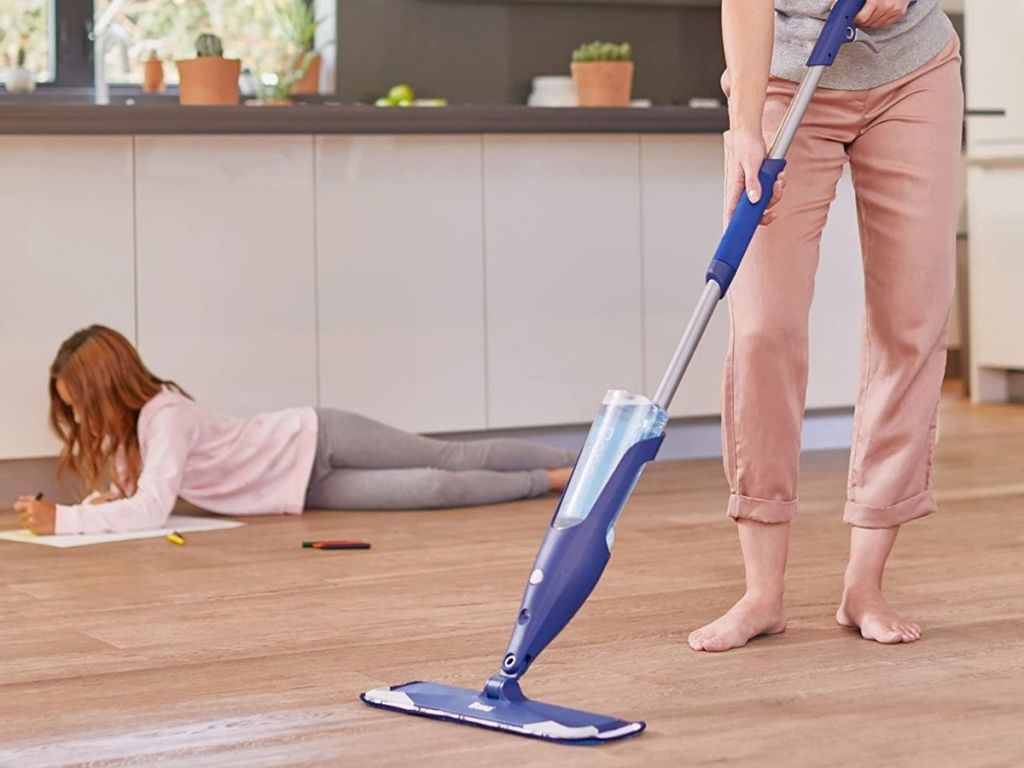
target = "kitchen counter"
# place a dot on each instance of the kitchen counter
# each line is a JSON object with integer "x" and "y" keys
{"x": 140, "y": 119}
{"x": 472, "y": 260}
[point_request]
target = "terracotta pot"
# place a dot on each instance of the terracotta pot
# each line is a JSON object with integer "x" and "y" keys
{"x": 153, "y": 75}
{"x": 310, "y": 82}
{"x": 208, "y": 80}
{"x": 603, "y": 83}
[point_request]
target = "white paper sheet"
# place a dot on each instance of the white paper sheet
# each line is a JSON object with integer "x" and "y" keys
{"x": 178, "y": 523}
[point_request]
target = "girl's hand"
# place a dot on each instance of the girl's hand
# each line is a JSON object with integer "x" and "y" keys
{"x": 744, "y": 154}
{"x": 40, "y": 517}
{"x": 881, "y": 13}
{"x": 104, "y": 498}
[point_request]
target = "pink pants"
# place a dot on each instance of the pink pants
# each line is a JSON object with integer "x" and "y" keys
{"x": 902, "y": 141}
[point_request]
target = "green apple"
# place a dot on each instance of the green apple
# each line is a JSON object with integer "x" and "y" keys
{"x": 383, "y": 101}
{"x": 400, "y": 93}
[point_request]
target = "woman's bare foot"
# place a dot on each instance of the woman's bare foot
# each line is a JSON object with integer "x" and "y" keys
{"x": 558, "y": 479}
{"x": 866, "y": 609}
{"x": 760, "y": 611}
{"x": 751, "y": 616}
{"x": 863, "y": 605}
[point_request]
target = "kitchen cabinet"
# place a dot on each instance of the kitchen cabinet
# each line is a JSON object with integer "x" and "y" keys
{"x": 682, "y": 223}
{"x": 443, "y": 283}
{"x": 400, "y": 279}
{"x": 995, "y": 176}
{"x": 66, "y": 262}
{"x": 991, "y": 42}
{"x": 225, "y": 267}
{"x": 563, "y": 270}
{"x": 837, "y": 312}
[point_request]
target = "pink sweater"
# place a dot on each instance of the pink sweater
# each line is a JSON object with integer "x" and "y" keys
{"x": 254, "y": 466}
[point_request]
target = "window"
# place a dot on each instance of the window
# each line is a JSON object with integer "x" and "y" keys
{"x": 266, "y": 35}
{"x": 27, "y": 25}
{"x": 259, "y": 32}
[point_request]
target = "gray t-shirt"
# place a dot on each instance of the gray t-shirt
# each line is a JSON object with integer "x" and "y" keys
{"x": 904, "y": 46}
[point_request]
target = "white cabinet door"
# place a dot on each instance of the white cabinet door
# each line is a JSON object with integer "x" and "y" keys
{"x": 996, "y": 57}
{"x": 226, "y": 267}
{"x": 682, "y": 193}
{"x": 66, "y": 262}
{"x": 996, "y": 276}
{"x": 563, "y": 271}
{"x": 400, "y": 279}
{"x": 682, "y": 210}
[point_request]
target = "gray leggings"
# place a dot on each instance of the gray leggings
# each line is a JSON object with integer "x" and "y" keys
{"x": 363, "y": 464}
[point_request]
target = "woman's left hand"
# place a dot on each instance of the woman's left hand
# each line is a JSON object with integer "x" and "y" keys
{"x": 881, "y": 13}
{"x": 40, "y": 517}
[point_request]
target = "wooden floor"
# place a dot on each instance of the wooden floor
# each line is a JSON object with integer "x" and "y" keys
{"x": 243, "y": 649}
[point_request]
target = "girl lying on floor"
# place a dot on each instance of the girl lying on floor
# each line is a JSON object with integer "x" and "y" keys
{"x": 117, "y": 420}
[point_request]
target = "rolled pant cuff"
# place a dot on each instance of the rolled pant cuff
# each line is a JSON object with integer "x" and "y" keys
{"x": 761, "y": 510}
{"x": 866, "y": 516}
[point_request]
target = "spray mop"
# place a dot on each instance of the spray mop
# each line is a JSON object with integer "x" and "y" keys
{"x": 626, "y": 434}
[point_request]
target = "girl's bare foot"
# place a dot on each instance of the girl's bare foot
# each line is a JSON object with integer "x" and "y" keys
{"x": 751, "y": 616}
{"x": 865, "y": 608}
{"x": 558, "y": 479}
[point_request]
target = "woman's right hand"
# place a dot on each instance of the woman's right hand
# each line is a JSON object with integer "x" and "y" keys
{"x": 744, "y": 152}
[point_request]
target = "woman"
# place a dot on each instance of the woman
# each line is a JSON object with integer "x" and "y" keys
{"x": 117, "y": 420}
{"x": 896, "y": 117}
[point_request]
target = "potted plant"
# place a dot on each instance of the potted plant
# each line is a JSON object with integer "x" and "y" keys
{"x": 603, "y": 74}
{"x": 299, "y": 23}
{"x": 20, "y": 79}
{"x": 209, "y": 78}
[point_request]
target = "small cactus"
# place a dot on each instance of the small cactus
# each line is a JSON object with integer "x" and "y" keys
{"x": 21, "y": 57}
{"x": 209, "y": 45}
{"x": 599, "y": 51}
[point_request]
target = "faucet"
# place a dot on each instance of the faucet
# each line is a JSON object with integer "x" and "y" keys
{"x": 102, "y": 35}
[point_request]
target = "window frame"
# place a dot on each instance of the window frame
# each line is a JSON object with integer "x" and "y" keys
{"x": 72, "y": 49}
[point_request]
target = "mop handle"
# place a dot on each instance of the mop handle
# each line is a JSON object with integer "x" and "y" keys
{"x": 746, "y": 218}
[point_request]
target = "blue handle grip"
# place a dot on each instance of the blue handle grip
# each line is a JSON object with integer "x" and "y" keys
{"x": 838, "y": 30}
{"x": 742, "y": 226}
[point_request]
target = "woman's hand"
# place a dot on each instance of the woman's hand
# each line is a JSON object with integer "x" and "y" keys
{"x": 40, "y": 517}
{"x": 881, "y": 13}
{"x": 744, "y": 154}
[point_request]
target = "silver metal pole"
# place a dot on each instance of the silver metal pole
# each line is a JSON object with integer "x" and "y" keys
{"x": 688, "y": 344}
{"x": 712, "y": 293}
{"x": 795, "y": 113}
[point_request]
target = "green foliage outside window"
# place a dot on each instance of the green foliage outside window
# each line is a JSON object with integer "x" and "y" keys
{"x": 25, "y": 24}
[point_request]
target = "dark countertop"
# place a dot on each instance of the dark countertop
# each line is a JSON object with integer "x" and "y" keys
{"x": 21, "y": 117}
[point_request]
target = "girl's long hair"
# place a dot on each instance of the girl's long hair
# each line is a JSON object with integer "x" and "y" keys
{"x": 108, "y": 384}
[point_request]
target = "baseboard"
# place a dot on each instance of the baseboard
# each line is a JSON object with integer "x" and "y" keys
{"x": 685, "y": 439}
{"x": 954, "y": 364}
{"x": 1015, "y": 386}
{"x": 824, "y": 429}
{"x": 30, "y": 476}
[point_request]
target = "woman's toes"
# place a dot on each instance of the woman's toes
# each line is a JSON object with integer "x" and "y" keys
{"x": 911, "y": 632}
